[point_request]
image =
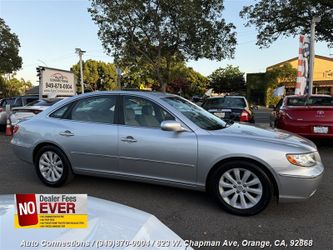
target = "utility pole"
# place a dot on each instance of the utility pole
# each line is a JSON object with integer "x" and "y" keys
{"x": 80, "y": 53}
{"x": 118, "y": 72}
{"x": 315, "y": 19}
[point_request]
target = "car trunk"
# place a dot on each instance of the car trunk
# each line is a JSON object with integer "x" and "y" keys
{"x": 227, "y": 113}
{"x": 23, "y": 110}
{"x": 315, "y": 114}
{"x": 310, "y": 120}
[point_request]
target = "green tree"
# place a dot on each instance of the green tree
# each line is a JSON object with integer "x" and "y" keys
{"x": 228, "y": 79}
{"x": 276, "y": 77}
{"x": 162, "y": 30}
{"x": 275, "y": 18}
{"x": 13, "y": 86}
{"x": 97, "y": 75}
{"x": 137, "y": 75}
{"x": 186, "y": 81}
{"x": 9, "y": 50}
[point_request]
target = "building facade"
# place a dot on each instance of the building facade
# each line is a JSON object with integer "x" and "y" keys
{"x": 322, "y": 76}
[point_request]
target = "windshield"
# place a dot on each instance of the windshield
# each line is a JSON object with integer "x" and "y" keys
{"x": 196, "y": 114}
{"x": 312, "y": 101}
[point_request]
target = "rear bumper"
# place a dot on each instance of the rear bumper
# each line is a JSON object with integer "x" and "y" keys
{"x": 305, "y": 129}
{"x": 22, "y": 152}
{"x": 300, "y": 186}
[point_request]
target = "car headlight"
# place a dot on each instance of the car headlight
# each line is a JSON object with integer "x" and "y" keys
{"x": 303, "y": 160}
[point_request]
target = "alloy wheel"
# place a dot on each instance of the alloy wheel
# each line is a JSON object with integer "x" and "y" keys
{"x": 51, "y": 166}
{"x": 240, "y": 188}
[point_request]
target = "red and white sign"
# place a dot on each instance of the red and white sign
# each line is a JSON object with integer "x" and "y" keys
{"x": 51, "y": 210}
{"x": 303, "y": 65}
{"x": 26, "y": 209}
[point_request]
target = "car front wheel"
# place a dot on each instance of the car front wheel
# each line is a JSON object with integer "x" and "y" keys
{"x": 52, "y": 166}
{"x": 241, "y": 188}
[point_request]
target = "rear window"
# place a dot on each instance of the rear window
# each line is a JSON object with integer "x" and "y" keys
{"x": 232, "y": 102}
{"x": 213, "y": 103}
{"x": 312, "y": 101}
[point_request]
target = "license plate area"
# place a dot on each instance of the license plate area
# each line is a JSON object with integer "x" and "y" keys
{"x": 320, "y": 130}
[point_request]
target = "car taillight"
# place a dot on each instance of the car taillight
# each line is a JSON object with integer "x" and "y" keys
{"x": 1, "y": 109}
{"x": 16, "y": 128}
{"x": 245, "y": 116}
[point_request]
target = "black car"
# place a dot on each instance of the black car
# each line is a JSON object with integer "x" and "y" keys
{"x": 230, "y": 108}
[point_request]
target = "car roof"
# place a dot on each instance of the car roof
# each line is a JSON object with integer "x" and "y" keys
{"x": 126, "y": 92}
{"x": 302, "y": 96}
{"x": 229, "y": 96}
{"x": 151, "y": 94}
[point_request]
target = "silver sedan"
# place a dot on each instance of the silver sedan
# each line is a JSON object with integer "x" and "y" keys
{"x": 165, "y": 139}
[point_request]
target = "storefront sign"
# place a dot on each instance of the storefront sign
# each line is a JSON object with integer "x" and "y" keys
{"x": 57, "y": 82}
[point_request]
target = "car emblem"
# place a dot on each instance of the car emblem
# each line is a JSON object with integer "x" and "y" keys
{"x": 320, "y": 113}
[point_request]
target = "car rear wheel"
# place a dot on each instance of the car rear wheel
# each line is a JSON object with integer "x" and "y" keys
{"x": 241, "y": 188}
{"x": 52, "y": 166}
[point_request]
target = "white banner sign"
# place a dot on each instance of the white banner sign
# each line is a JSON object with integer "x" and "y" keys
{"x": 279, "y": 91}
{"x": 57, "y": 83}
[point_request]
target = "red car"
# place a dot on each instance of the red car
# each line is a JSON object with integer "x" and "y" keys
{"x": 309, "y": 116}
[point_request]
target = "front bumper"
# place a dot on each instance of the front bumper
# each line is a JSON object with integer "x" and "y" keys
{"x": 300, "y": 184}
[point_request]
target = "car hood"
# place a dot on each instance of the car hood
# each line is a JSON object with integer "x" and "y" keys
{"x": 106, "y": 221}
{"x": 269, "y": 135}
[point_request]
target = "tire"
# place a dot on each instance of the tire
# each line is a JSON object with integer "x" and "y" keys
{"x": 56, "y": 166}
{"x": 247, "y": 195}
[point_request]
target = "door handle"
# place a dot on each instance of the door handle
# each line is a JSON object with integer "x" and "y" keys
{"x": 128, "y": 139}
{"x": 66, "y": 133}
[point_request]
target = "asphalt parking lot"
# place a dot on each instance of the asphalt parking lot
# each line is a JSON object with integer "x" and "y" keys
{"x": 194, "y": 215}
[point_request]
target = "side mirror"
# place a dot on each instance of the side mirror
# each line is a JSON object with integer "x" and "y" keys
{"x": 171, "y": 125}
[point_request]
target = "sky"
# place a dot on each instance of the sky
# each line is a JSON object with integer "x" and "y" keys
{"x": 50, "y": 30}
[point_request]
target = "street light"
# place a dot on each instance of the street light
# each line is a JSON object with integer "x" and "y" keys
{"x": 314, "y": 21}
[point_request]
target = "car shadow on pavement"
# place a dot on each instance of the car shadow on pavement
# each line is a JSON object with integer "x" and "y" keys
{"x": 322, "y": 143}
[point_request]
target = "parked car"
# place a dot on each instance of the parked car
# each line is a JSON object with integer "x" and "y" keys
{"x": 166, "y": 139}
{"x": 310, "y": 116}
{"x": 17, "y": 101}
{"x": 31, "y": 109}
{"x": 230, "y": 108}
{"x": 109, "y": 222}
{"x": 3, "y": 115}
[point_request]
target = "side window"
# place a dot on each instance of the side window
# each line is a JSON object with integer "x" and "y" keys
{"x": 95, "y": 109}
{"x": 29, "y": 100}
{"x": 144, "y": 113}
{"x": 18, "y": 102}
{"x": 60, "y": 112}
